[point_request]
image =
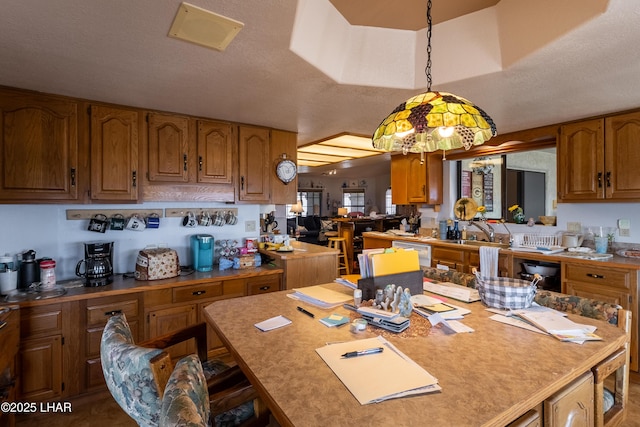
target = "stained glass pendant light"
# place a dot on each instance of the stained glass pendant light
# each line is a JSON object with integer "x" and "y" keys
{"x": 433, "y": 121}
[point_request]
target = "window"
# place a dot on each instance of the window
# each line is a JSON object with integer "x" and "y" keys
{"x": 389, "y": 207}
{"x": 311, "y": 201}
{"x": 353, "y": 200}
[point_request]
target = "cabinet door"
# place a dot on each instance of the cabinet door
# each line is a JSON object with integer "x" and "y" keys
{"x": 114, "y": 153}
{"x": 172, "y": 319}
{"x": 416, "y": 179}
{"x": 571, "y": 406}
{"x": 581, "y": 161}
{"x": 168, "y": 148}
{"x": 39, "y": 147}
{"x": 622, "y": 157}
{"x": 216, "y": 152}
{"x": 254, "y": 162}
{"x": 40, "y": 364}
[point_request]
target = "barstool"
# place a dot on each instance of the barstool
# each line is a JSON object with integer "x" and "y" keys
{"x": 340, "y": 243}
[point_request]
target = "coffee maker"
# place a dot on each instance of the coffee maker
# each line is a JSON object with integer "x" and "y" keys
{"x": 202, "y": 252}
{"x": 98, "y": 264}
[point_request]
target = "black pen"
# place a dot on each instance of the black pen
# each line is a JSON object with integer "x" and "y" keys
{"x": 363, "y": 352}
{"x": 308, "y": 313}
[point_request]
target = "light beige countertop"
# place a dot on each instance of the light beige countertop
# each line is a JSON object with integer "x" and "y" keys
{"x": 122, "y": 285}
{"x": 488, "y": 377}
{"x": 301, "y": 250}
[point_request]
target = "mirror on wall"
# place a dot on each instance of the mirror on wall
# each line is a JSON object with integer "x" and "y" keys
{"x": 525, "y": 178}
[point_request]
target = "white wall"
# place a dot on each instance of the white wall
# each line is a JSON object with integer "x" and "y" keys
{"x": 45, "y": 229}
{"x": 374, "y": 188}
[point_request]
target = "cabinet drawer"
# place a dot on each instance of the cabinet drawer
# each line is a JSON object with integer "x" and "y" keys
{"x": 451, "y": 255}
{"x": 41, "y": 320}
{"x": 597, "y": 275}
{"x": 99, "y": 310}
{"x": 197, "y": 292}
{"x": 262, "y": 286}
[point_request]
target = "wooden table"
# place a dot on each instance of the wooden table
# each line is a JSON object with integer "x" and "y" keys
{"x": 489, "y": 377}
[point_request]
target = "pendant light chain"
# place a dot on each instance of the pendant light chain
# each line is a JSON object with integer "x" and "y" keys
{"x": 427, "y": 69}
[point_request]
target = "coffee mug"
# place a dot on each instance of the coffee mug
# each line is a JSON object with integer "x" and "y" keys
{"x": 136, "y": 223}
{"x": 189, "y": 220}
{"x": 153, "y": 221}
{"x": 231, "y": 218}
{"x": 205, "y": 219}
{"x": 98, "y": 223}
{"x": 218, "y": 219}
{"x": 117, "y": 222}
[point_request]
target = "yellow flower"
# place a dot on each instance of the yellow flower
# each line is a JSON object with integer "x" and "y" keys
{"x": 513, "y": 208}
{"x": 482, "y": 209}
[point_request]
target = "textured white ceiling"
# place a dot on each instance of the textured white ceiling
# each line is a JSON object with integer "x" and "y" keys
{"x": 118, "y": 51}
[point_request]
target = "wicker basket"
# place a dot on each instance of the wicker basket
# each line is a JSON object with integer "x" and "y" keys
{"x": 505, "y": 292}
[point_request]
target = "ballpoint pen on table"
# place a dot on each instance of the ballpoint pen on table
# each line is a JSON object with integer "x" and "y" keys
{"x": 308, "y": 313}
{"x": 363, "y": 352}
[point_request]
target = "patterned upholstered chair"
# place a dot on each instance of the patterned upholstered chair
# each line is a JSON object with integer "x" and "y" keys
{"x": 438, "y": 275}
{"x": 186, "y": 398}
{"x": 611, "y": 376}
{"x": 136, "y": 376}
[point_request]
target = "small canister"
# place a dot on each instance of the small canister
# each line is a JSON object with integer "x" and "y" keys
{"x": 47, "y": 273}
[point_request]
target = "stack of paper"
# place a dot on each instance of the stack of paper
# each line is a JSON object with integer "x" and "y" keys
{"x": 273, "y": 323}
{"x": 334, "y": 320}
{"x": 548, "y": 321}
{"x": 558, "y": 326}
{"x": 452, "y": 290}
{"x": 380, "y": 376}
{"x": 320, "y": 296}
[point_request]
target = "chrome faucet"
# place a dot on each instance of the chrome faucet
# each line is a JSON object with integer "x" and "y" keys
{"x": 490, "y": 232}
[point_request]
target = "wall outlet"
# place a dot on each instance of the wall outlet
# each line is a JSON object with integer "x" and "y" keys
{"x": 624, "y": 232}
{"x": 249, "y": 226}
{"x": 575, "y": 227}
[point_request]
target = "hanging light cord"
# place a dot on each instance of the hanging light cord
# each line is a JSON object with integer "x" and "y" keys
{"x": 427, "y": 69}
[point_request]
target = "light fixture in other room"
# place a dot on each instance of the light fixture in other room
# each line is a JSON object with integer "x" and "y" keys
{"x": 342, "y": 212}
{"x": 297, "y": 209}
{"x": 202, "y": 27}
{"x": 433, "y": 121}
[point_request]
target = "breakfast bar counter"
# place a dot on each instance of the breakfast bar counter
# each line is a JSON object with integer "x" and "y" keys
{"x": 305, "y": 264}
{"x": 489, "y": 377}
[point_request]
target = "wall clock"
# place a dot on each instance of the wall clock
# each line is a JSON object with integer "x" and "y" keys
{"x": 286, "y": 170}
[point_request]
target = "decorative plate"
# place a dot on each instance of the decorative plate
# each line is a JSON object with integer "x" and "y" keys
{"x": 465, "y": 209}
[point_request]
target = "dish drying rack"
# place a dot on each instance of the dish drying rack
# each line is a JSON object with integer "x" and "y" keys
{"x": 545, "y": 243}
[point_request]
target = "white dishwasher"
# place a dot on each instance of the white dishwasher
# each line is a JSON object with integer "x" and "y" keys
{"x": 424, "y": 250}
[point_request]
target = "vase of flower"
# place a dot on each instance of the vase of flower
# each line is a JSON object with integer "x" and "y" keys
{"x": 518, "y": 214}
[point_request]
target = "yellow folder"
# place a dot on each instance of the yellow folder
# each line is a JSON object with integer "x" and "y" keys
{"x": 399, "y": 261}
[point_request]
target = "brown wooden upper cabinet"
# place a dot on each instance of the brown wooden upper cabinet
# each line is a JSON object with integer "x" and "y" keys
{"x": 254, "y": 161}
{"x": 416, "y": 181}
{"x": 39, "y": 146}
{"x": 114, "y": 153}
{"x": 598, "y": 159}
{"x": 216, "y": 152}
{"x": 283, "y": 143}
{"x": 168, "y": 148}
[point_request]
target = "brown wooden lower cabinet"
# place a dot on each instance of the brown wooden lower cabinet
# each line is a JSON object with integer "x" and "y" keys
{"x": 94, "y": 313}
{"x": 59, "y": 355}
{"x": 40, "y": 359}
